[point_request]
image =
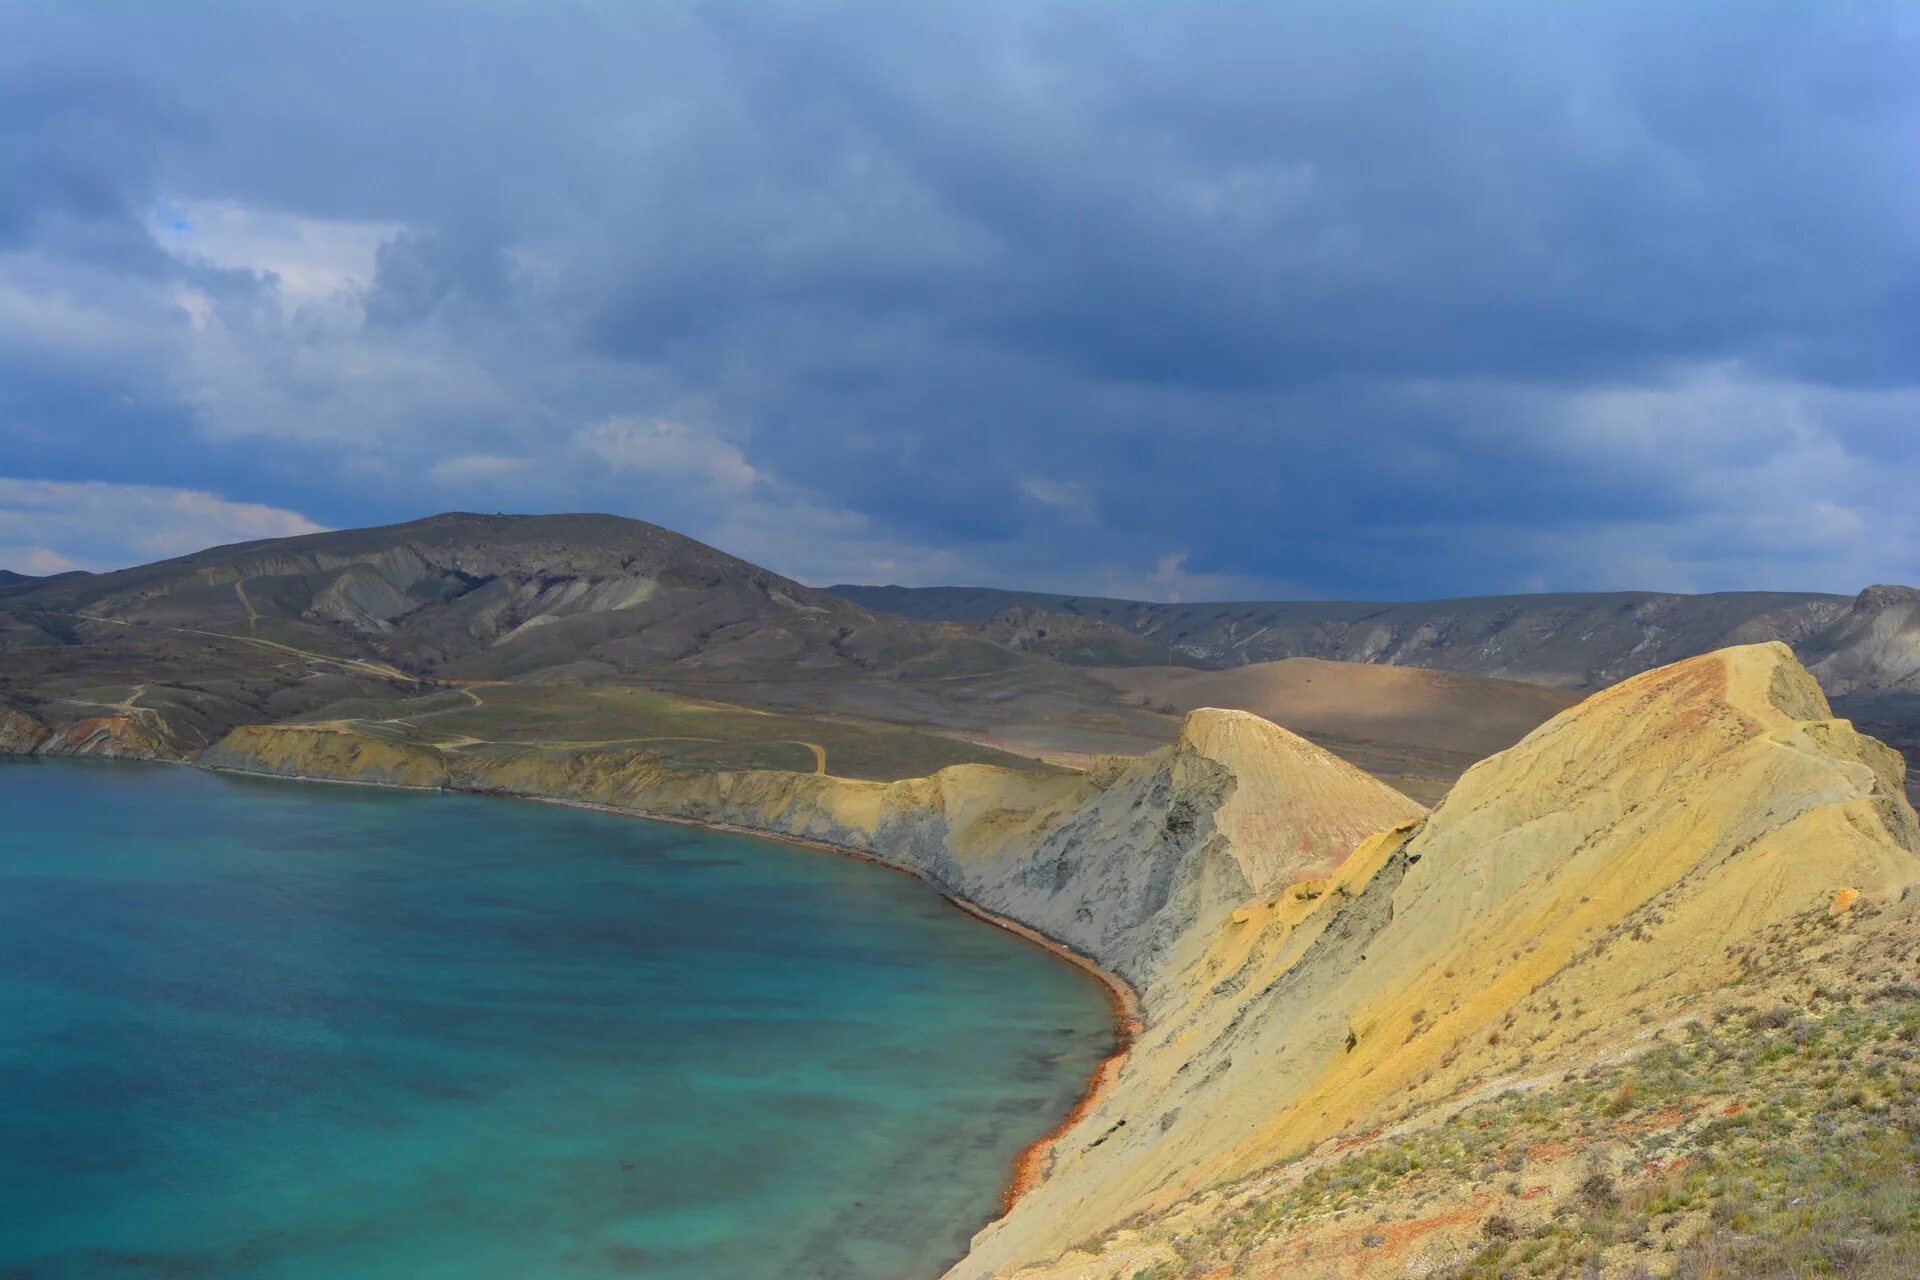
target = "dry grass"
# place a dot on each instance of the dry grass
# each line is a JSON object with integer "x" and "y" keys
{"x": 1777, "y": 1140}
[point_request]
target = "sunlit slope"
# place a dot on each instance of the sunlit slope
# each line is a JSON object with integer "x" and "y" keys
{"x": 1417, "y": 729}
{"x": 1408, "y": 707}
{"x": 1593, "y": 879}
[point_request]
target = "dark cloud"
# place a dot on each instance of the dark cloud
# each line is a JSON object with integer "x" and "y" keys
{"x": 1377, "y": 300}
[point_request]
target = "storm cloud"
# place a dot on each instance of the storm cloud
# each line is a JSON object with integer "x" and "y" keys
{"x": 1199, "y": 300}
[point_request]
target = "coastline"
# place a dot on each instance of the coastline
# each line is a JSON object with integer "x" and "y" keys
{"x": 1029, "y": 1165}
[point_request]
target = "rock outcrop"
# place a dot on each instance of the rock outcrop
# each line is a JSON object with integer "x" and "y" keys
{"x": 20, "y": 733}
{"x": 133, "y": 736}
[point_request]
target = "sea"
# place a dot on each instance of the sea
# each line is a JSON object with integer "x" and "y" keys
{"x": 254, "y": 1028}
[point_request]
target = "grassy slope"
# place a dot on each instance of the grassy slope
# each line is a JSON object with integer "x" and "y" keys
{"x": 688, "y": 733}
{"x": 1775, "y": 1136}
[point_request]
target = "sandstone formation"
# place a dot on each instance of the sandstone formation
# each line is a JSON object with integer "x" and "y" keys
{"x": 125, "y": 735}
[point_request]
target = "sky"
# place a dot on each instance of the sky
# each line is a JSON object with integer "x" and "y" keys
{"x": 1173, "y": 301}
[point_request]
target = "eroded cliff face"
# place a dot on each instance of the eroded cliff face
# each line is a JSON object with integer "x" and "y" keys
{"x": 125, "y": 737}
{"x": 1137, "y": 863}
{"x": 1874, "y": 647}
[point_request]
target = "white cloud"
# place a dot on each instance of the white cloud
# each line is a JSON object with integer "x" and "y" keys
{"x": 1066, "y": 496}
{"x": 313, "y": 258}
{"x": 47, "y": 526}
{"x": 668, "y": 450}
{"x": 477, "y": 467}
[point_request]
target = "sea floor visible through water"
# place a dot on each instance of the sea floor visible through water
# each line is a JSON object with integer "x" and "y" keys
{"x": 257, "y": 1029}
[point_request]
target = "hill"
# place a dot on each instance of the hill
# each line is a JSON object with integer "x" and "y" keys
{"x": 166, "y": 657}
{"x": 485, "y": 597}
{"x": 1864, "y": 650}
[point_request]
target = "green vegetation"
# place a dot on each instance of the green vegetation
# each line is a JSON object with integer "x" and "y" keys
{"x": 686, "y": 733}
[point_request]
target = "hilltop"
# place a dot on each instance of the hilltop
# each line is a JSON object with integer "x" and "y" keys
{"x": 486, "y": 597}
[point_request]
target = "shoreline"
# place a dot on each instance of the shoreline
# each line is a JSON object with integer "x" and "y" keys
{"x": 1029, "y": 1165}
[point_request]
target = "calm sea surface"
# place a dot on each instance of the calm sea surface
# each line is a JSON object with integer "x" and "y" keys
{"x": 261, "y": 1029}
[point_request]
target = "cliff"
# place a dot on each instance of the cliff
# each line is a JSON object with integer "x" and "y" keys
{"x": 20, "y": 733}
{"x": 131, "y": 735}
{"x": 1874, "y": 647}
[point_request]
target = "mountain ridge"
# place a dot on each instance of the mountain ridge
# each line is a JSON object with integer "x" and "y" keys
{"x": 1573, "y": 640}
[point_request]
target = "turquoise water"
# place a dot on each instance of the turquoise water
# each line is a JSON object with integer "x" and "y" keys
{"x": 262, "y": 1029}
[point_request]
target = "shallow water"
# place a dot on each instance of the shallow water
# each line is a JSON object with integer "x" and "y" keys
{"x": 264, "y": 1029}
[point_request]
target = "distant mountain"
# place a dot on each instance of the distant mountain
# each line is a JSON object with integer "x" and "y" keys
{"x": 1570, "y": 641}
{"x": 478, "y": 596}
